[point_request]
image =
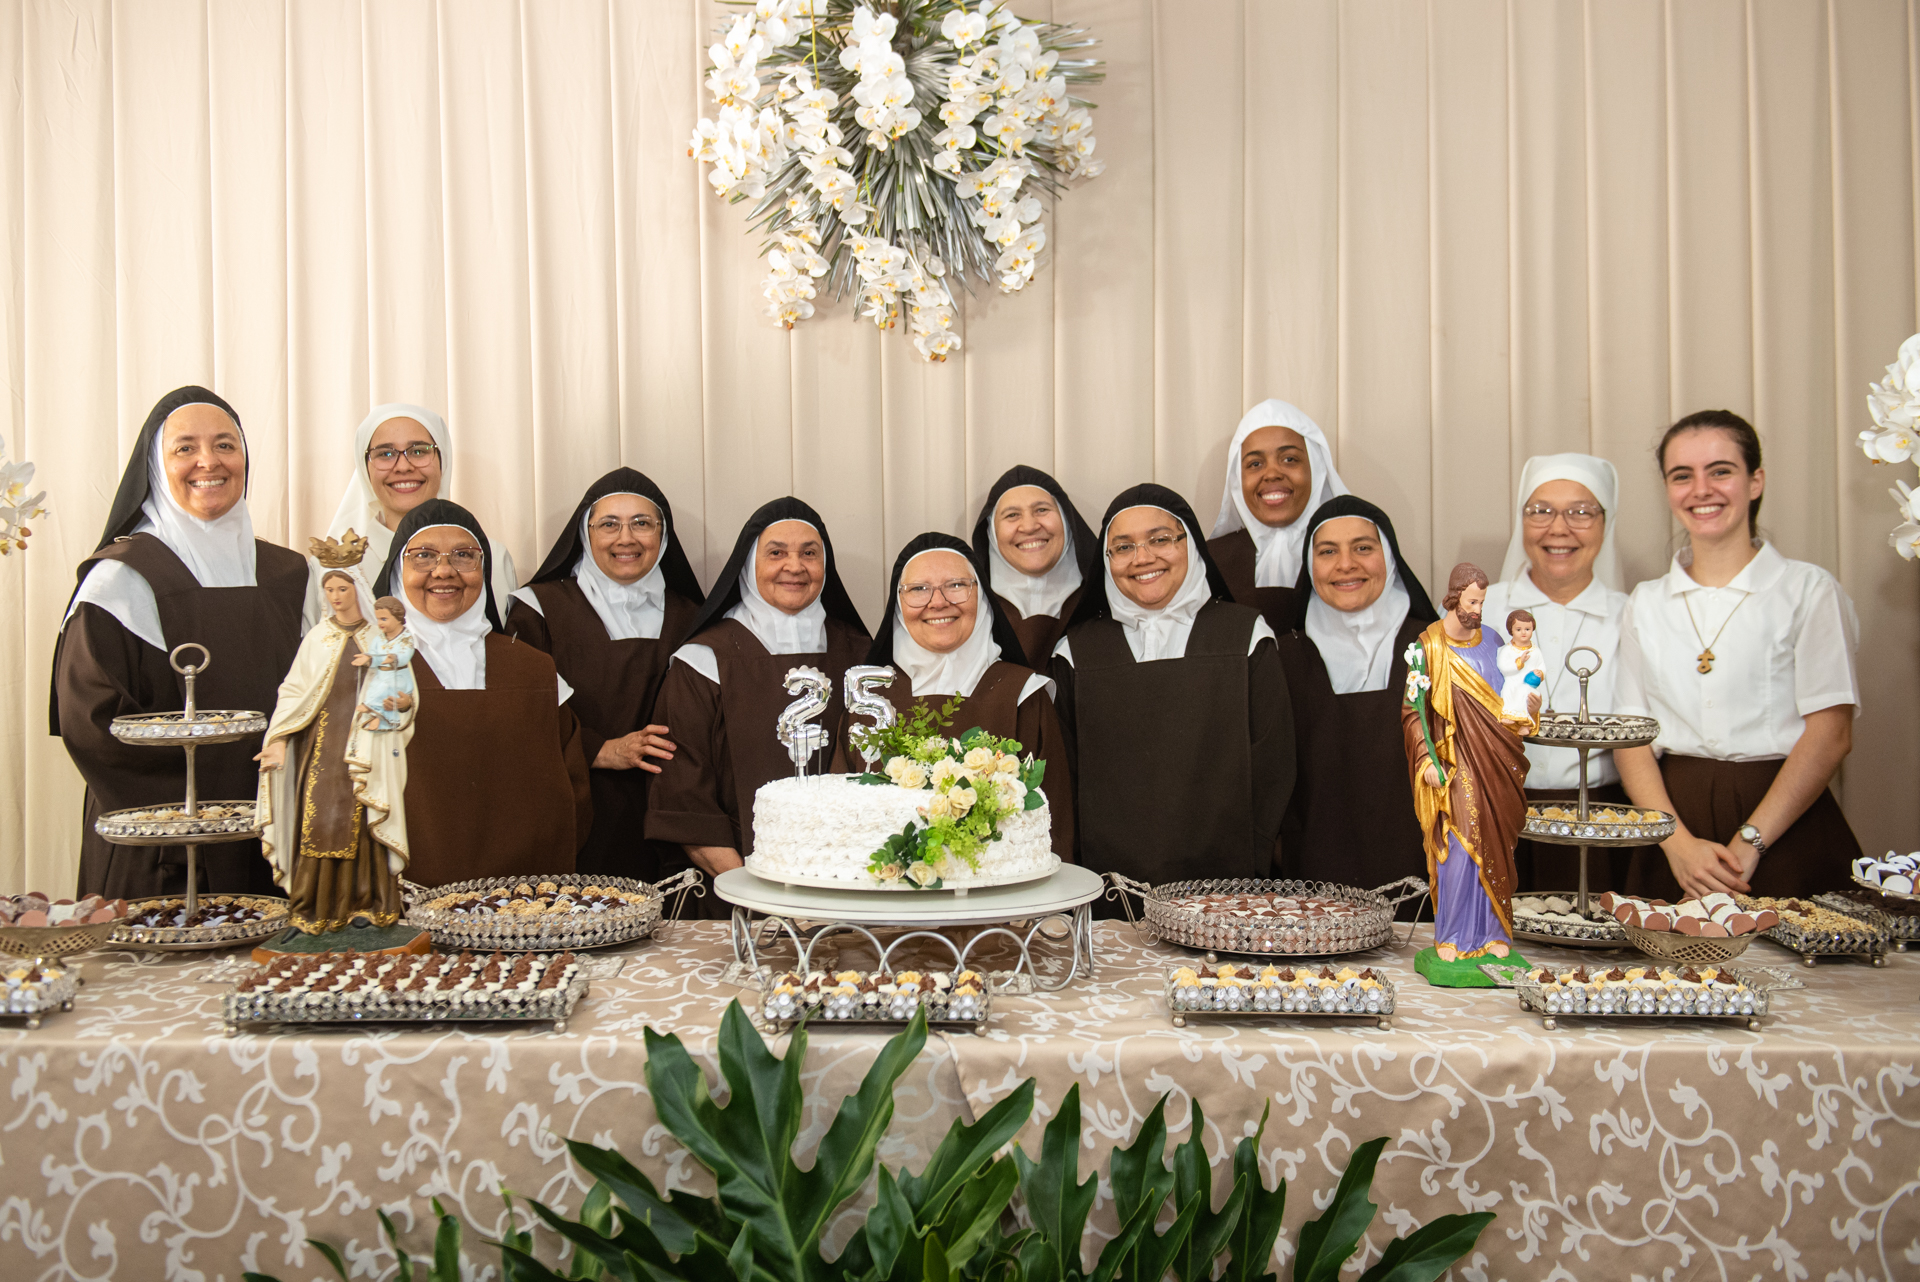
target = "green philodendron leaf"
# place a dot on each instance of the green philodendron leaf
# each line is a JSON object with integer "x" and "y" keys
{"x": 975, "y": 1211}
{"x": 1138, "y": 1172}
{"x": 520, "y": 1266}
{"x": 1057, "y": 1201}
{"x": 1119, "y": 1249}
{"x": 333, "y": 1257}
{"x": 740, "y": 1257}
{"x": 1251, "y": 1242}
{"x": 446, "y": 1246}
{"x": 748, "y": 1144}
{"x": 964, "y": 1150}
{"x": 588, "y": 1243}
{"x": 668, "y": 1222}
{"x": 933, "y": 1261}
{"x": 403, "y": 1269}
{"x": 1193, "y": 1174}
{"x": 1430, "y": 1250}
{"x": 1156, "y": 1252}
{"x": 889, "y": 1227}
{"x": 1326, "y": 1242}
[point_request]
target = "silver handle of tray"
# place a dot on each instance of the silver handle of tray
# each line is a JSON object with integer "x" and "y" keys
{"x": 1412, "y": 886}
{"x": 679, "y": 886}
{"x": 1124, "y": 887}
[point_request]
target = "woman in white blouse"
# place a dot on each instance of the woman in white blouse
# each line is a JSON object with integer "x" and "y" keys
{"x": 1562, "y": 568}
{"x": 1747, "y": 660}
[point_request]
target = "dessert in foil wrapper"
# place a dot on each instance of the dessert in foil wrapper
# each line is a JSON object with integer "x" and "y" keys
{"x": 877, "y": 997}
{"x": 1279, "y": 990}
{"x": 519, "y": 913}
{"x": 407, "y": 987}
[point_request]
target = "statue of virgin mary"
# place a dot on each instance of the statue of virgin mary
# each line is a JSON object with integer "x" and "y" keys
{"x": 331, "y": 799}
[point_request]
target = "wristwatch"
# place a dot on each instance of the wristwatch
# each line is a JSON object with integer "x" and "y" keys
{"x": 1751, "y": 835}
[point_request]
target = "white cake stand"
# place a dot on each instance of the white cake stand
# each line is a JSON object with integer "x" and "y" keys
{"x": 809, "y": 914}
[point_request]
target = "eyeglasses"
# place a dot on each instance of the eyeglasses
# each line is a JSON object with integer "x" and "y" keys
{"x": 956, "y": 591}
{"x": 386, "y": 457}
{"x": 426, "y": 560}
{"x": 1579, "y": 517}
{"x": 1121, "y": 553}
{"x": 639, "y": 526}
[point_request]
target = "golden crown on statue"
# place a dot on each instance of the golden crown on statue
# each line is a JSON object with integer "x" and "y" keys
{"x": 338, "y": 554}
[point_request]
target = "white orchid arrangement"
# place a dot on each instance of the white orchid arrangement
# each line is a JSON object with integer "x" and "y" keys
{"x": 1894, "y": 403}
{"x": 854, "y": 182}
{"x": 17, "y": 507}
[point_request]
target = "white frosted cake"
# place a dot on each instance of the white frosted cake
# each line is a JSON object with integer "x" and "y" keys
{"x": 826, "y": 828}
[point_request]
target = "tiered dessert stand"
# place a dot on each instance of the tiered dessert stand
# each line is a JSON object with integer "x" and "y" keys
{"x": 1586, "y": 734}
{"x": 1053, "y": 907}
{"x": 196, "y": 823}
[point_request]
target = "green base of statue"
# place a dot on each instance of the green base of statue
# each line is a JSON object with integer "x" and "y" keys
{"x": 398, "y": 938}
{"x": 1463, "y": 972}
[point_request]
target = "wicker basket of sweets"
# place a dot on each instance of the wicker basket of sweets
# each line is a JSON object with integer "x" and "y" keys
{"x": 1241, "y": 992}
{"x": 877, "y": 997}
{"x": 1662, "y": 992}
{"x": 1826, "y": 926}
{"x": 351, "y": 988}
{"x": 1271, "y": 918}
{"x": 541, "y": 913}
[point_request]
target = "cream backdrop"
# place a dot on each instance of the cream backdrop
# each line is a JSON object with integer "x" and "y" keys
{"x": 1456, "y": 233}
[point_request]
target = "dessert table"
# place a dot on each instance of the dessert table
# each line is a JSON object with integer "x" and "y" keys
{"x": 138, "y": 1140}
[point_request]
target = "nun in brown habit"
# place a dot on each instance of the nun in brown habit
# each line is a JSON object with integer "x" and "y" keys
{"x": 942, "y": 637}
{"x": 777, "y": 605}
{"x": 1039, "y": 553}
{"x": 1175, "y": 707}
{"x": 1351, "y": 820}
{"x": 1279, "y": 470}
{"x": 611, "y": 603}
{"x": 177, "y": 562}
{"x": 496, "y": 781}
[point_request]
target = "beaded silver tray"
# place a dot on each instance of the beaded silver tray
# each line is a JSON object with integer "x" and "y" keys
{"x": 31, "y": 1004}
{"x": 546, "y": 931}
{"x": 169, "y": 825}
{"x": 1211, "y": 997}
{"x": 1608, "y": 730}
{"x": 782, "y": 1010}
{"x": 178, "y": 727}
{"x": 1600, "y": 931}
{"x": 1872, "y": 937}
{"x": 1190, "y": 926}
{"x": 1900, "y": 895}
{"x": 1903, "y": 916}
{"x": 1569, "y": 830}
{"x": 261, "y": 1006}
{"x": 186, "y": 939}
{"x": 1557, "y": 1001}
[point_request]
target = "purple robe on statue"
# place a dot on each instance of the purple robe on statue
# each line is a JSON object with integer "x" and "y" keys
{"x": 1462, "y": 914}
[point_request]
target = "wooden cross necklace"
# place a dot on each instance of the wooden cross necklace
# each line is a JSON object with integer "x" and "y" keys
{"x": 1706, "y": 656}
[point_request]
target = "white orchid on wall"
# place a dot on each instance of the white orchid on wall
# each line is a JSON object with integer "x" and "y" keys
{"x": 17, "y": 507}
{"x": 1894, "y": 403}
{"x": 828, "y": 120}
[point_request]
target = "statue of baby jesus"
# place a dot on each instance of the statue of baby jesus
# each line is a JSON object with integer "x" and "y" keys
{"x": 390, "y": 688}
{"x": 1523, "y": 672}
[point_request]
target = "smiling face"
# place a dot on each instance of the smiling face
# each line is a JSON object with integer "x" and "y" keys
{"x": 1708, "y": 485}
{"x": 205, "y": 460}
{"x": 1276, "y": 476}
{"x": 408, "y": 482}
{"x": 624, "y": 534}
{"x": 1349, "y": 563}
{"x": 1557, "y": 554}
{"x": 442, "y": 589}
{"x": 938, "y": 623}
{"x": 1147, "y": 575}
{"x": 790, "y": 565}
{"x": 342, "y": 600}
{"x": 1029, "y": 529}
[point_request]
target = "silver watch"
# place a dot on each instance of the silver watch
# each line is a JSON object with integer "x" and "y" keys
{"x": 1751, "y": 835}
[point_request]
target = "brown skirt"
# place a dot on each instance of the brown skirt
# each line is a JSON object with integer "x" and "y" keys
{"x": 1543, "y": 867}
{"x": 1713, "y": 798}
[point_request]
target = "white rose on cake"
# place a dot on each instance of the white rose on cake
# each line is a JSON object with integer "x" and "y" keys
{"x": 980, "y": 760}
{"x": 1013, "y": 793}
{"x": 962, "y": 799}
{"x": 907, "y": 773}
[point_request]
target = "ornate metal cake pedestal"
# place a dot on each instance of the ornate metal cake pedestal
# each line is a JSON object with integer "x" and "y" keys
{"x": 805, "y": 916}
{"x": 1585, "y": 733}
{"x": 190, "y": 729}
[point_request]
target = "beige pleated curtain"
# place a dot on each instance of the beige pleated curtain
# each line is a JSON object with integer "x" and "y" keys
{"x": 1457, "y": 233}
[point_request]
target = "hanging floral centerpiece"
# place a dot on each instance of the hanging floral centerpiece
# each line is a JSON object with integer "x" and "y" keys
{"x": 894, "y": 147}
{"x": 1894, "y": 403}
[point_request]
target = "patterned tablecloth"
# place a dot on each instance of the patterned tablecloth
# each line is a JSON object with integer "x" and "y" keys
{"x": 138, "y": 1141}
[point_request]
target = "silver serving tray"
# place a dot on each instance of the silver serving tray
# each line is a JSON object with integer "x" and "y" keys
{"x": 1533, "y": 999}
{"x": 1182, "y": 1014}
{"x": 130, "y": 828}
{"x": 1890, "y": 894}
{"x": 939, "y": 1014}
{"x": 178, "y": 728}
{"x": 1603, "y": 933}
{"x": 193, "y": 939}
{"x": 1608, "y": 730}
{"x": 1216, "y": 933}
{"x": 55, "y": 996}
{"x": 546, "y": 932}
{"x": 240, "y": 1009}
{"x": 1873, "y": 940}
{"x": 1903, "y": 917}
{"x": 1593, "y": 832}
